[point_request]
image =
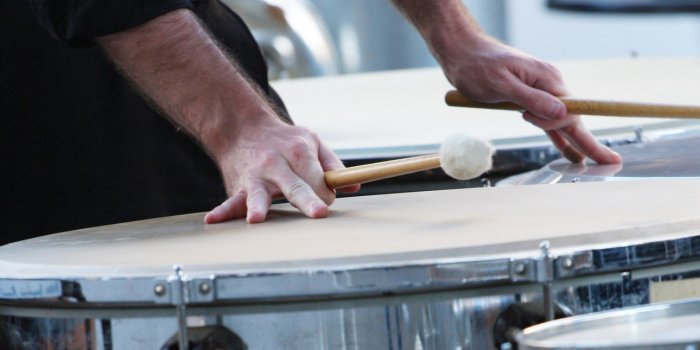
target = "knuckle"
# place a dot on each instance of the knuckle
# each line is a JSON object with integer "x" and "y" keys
{"x": 541, "y": 103}
{"x": 296, "y": 191}
{"x": 541, "y": 65}
{"x": 268, "y": 159}
{"x": 254, "y": 190}
{"x": 299, "y": 148}
{"x": 314, "y": 136}
{"x": 298, "y": 144}
{"x": 516, "y": 61}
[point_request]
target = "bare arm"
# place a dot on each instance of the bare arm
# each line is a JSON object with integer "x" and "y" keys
{"x": 173, "y": 61}
{"x": 176, "y": 64}
{"x": 485, "y": 69}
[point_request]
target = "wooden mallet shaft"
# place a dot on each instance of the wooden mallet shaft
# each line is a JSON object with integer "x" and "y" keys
{"x": 382, "y": 170}
{"x": 591, "y": 107}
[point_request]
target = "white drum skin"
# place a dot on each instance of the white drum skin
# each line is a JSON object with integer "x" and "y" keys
{"x": 478, "y": 220}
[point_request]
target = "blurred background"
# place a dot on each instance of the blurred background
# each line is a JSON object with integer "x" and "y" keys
{"x": 326, "y": 37}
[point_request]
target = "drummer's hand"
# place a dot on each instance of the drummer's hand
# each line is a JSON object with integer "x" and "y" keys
{"x": 270, "y": 160}
{"x": 175, "y": 62}
{"x": 488, "y": 71}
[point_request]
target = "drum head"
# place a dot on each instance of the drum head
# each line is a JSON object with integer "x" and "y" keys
{"x": 469, "y": 223}
{"x": 658, "y": 326}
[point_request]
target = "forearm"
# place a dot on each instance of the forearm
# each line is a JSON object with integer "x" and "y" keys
{"x": 486, "y": 70}
{"x": 441, "y": 23}
{"x": 176, "y": 64}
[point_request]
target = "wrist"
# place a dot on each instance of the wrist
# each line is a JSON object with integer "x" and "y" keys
{"x": 453, "y": 45}
{"x": 225, "y": 131}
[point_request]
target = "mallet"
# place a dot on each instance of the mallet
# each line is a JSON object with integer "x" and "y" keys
{"x": 461, "y": 157}
{"x": 591, "y": 107}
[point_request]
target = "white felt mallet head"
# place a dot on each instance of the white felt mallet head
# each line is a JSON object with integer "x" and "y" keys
{"x": 465, "y": 157}
{"x": 462, "y": 157}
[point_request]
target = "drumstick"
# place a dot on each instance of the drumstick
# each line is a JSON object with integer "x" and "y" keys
{"x": 591, "y": 107}
{"x": 462, "y": 157}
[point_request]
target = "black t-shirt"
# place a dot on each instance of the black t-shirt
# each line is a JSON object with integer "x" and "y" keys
{"x": 79, "y": 146}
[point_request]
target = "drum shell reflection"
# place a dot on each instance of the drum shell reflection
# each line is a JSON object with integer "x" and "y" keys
{"x": 447, "y": 320}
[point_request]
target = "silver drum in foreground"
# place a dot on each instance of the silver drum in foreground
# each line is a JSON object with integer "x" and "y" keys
{"x": 667, "y": 326}
{"x": 455, "y": 269}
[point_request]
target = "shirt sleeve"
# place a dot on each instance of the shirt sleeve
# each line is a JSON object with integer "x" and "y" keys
{"x": 79, "y": 22}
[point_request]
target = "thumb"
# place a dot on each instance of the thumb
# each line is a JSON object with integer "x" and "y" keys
{"x": 329, "y": 161}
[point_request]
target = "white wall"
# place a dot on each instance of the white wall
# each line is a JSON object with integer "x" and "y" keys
{"x": 558, "y": 35}
{"x": 490, "y": 14}
{"x": 371, "y": 35}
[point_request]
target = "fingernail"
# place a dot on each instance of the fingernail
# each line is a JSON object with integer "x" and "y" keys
{"x": 318, "y": 210}
{"x": 255, "y": 217}
{"x": 558, "y": 108}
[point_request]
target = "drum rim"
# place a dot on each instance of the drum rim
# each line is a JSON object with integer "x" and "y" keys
{"x": 533, "y": 337}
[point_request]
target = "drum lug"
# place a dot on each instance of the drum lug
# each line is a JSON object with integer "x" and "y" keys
{"x": 199, "y": 290}
{"x": 180, "y": 290}
{"x": 569, "y": 265}
{"x": 540, "y": 269}
{"x": 545, "y": 268}
{"x": 523, "y": 270}
{"x": 161, "y": 292}
{"x": 204, "y": 289}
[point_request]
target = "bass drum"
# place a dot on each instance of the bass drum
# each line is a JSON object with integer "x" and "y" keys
{"x": 454, "y": 269}
{"x": 387, "y": 115}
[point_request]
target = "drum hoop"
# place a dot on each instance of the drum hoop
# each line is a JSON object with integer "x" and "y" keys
{"x": 341, "y": 281}
{"x": 532, "y": 338}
